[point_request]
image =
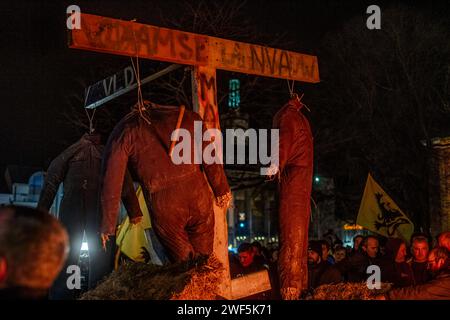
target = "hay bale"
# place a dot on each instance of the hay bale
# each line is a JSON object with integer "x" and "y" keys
{"x": 203, "y": 282}
{"x": 348, "y": 291}
{"x": 195, "y": 279}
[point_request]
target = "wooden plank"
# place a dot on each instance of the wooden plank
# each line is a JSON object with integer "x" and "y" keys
{"x": 263, "y": 61}
{"x": 127, "y": 38}
{"x": 250, "y": 284}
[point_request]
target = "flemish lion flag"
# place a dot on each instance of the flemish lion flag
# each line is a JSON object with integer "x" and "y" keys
{"x": 131, "y": 239}
{"x": 379, "y": 213}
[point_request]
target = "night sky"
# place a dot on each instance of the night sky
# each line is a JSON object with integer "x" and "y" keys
{"x": 38, "y": 70}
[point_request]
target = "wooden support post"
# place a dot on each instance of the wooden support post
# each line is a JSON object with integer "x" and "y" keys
{"x": 204, "y": 96}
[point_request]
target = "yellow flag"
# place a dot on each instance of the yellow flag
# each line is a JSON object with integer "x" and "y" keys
{"x": 146, "y": 224}
{"x": 379, "y": 213}
{"x": 131, "y": 239}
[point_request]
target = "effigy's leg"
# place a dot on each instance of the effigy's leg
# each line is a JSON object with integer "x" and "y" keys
{"x": 294, "y": 222}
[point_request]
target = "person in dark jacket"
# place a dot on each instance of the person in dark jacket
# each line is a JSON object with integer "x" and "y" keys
{"x": 436, "y": 289}
{"x": 354, "y": 267}
{"x": 393, "y": 265}
{"x": 246, "y": 263}
{"x": 261, "y": 253}
{"x": 326, "y": 256}
{"x": 418, "y": 263}
{"x": 320, "y": 271}
{"x": 33, "y": 248}
{"x": 79, "y": 169}
{"x": 176, "y": 193}
{"x": 357, "y": 241}
{"x": 332, "y": 239}
{"x": 295, "y": 171}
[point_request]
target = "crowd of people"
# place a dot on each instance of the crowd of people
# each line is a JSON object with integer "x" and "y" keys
{"x": 418, "y": 271}
{"x": 34, "y": 247}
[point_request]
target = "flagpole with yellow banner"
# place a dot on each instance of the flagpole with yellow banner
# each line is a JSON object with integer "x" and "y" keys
{"x": 380, "y": 214}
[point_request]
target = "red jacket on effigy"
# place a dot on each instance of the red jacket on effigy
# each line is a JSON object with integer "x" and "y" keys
{"x": 177, "y": 194}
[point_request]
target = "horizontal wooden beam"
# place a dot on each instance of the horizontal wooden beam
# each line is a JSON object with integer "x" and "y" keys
{"x": 250, "y": 284}
{"x": 129, "y": 38}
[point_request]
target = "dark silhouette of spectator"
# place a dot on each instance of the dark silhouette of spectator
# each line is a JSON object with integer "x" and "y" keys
{"x": 257, "y": 247}
{"x": 33, "y": 249}
{"x": 319, "y": 271}
{"x": 349, "y": 250}
{"x": 394, "y": 268}
{"x": 337, "y": 243}
{"x": 326, "y": 256}
{"x": 244, "y": 264}
{"x": 436, "y": 289}
{"x": 331, "y": 237}
{"x": 418, "y": 263}
{"x": 354, "y": 267}
{"x": 261, "y": 253}
{"x": 382, "y": 245}
{"x": 273, "y": 273}
{"x": 444, "y": 240}
{"x": 274, "y": 256}
{"x": 357, "y": 240}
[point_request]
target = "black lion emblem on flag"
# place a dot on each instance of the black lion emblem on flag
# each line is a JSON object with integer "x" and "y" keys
{"x": 388, "y": 218}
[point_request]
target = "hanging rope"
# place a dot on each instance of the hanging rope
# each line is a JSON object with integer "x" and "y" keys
{"x": 304, "y": 105}
{"x": 91, "y": 120}
{"x": 291, "y": 87}
{"x": 294, "y": 95}
{"x": 140, "y": 100}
